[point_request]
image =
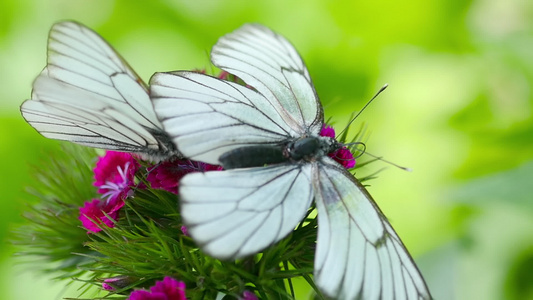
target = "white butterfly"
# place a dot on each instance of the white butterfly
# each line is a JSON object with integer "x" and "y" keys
{"x": 239, "y": 212}
{"x": 87, "y": 94}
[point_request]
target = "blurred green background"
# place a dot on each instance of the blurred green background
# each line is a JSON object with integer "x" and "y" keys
{"x": 458, "y": 111}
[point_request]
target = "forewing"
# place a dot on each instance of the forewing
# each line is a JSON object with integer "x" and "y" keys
{"x": 271, "y": 64}
{"x": 84, "y": 74}
{"x": 236, "y": 213}
{"x": 359, "y": 256}
{"x": 55, "y": 114}
{"x": 207, "y": 116}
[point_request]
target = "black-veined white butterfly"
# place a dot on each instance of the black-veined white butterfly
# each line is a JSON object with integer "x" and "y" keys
{"x": 87, "y": 94}
{"x": 241, "y": 211}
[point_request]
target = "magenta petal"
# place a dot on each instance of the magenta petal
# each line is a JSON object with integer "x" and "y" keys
{"x": 107, "y": 169}
{"x": 175, "y": 290}
{"x": 327, "y": 131}
{"x": 146, "y": 295}
{"x": 167, "y": 289}
{"x": 184, "y": 230}
{"x": 93, "y": 213}
{"x": 247, "y": 295}
{"x": 166, "y": 176}
{"x": 344, "y": 157}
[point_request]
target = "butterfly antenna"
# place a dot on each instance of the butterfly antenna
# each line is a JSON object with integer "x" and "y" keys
{"x": 389, "y": 162}
{"x": 353, "y": 148}
{"x": 363, "y": 109}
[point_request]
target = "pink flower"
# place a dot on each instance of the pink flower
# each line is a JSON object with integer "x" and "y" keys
{"x": 166, "y": 176}
{"x": 114, "y": 175}
{"x": 168, "y": 289}
{"x": 247, "y": 295}
{"x": 342, "y": 155}
{"x": 184, "y": 230}
{"x": 93, "y": 214}
{"x": 328, "y": 131}
{"x": 145, "y": 295}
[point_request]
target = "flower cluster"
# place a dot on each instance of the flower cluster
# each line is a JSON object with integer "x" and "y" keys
{"x": 114, "y": 176}
{"x": 342, "y": 155}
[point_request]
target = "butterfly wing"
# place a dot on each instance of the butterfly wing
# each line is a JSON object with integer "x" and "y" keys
{"x": 88, "y": 94}
{"x": 219, "y": 116}
{"x": 236, "y": 213}
{"x": 359, "y": 256}
{"x": 213, "y": 116}
{"x": 269, "y": 63}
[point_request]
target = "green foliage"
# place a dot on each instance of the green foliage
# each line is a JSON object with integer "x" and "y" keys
{"x": 52, "y": 232}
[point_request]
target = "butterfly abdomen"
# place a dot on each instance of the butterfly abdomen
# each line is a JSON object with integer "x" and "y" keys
{"x": 252, "y": 156}
{"x": 307, "y": 149}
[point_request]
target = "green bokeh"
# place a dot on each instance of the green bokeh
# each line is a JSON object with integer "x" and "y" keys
{"x": 458, "y": 111}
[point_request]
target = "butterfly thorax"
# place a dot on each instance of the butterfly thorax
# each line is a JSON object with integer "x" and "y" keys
{"x": 310, "y": 148}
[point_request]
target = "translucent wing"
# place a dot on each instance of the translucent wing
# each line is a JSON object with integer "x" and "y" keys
{"x": 270, "y": 64}
{"x": 55, "y": 113}
{"x": 88, "y": 94}
{"x": 359, "y": 256}
{"x": 207, "y": 116}
{"x": 236, "y": 213}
